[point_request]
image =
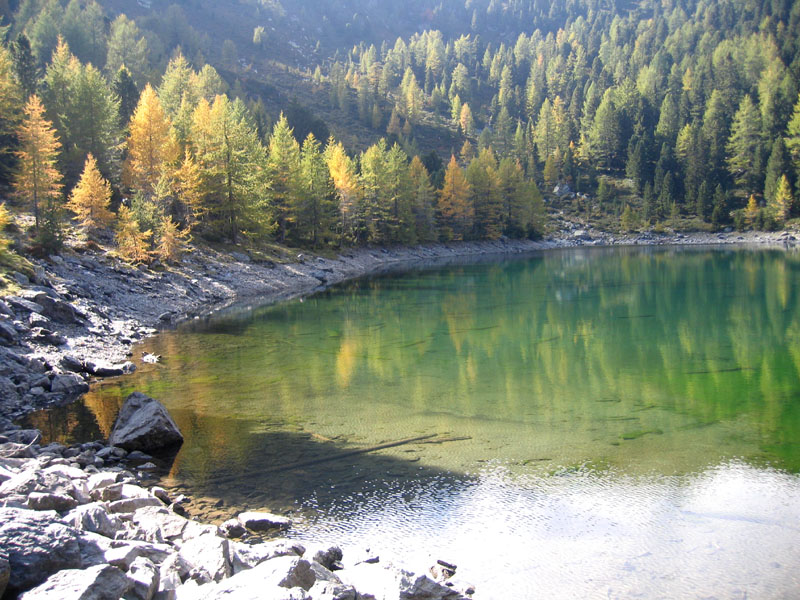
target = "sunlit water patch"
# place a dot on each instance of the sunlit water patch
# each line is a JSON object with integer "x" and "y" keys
{"x": 585, "y": 423}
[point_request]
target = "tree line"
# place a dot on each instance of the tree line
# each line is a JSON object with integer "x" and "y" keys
{"x": 695, "y": 101}
{"x": 185, "y": 157}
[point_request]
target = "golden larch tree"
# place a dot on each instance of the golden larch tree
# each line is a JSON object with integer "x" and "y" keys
{"x": 91, "y": 197}
{"x": 37, "y": 178}
{"x": 151, "y": 147}
{"x": 172, "y": 241}
{"x": 132, "y": 243}
{"x": 455, "y": 208}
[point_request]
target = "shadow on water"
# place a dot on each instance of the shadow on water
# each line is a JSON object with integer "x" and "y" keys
{"x": 277, "y": 470}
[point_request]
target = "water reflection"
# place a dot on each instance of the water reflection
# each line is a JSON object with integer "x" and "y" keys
{"x": 729, "y": 532}
{"x": 624, "y": 422}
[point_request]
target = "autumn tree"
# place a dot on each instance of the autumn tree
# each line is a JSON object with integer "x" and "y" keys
{"x": 37, "y": 179}
{"x": 150, "y": 146}
{"x": 91, "y": 197}
{"x": 455, "y": 209}
{"x": 133, "y": 244}
{"x": 172, "y": 240}
{"x": 345, "y": 181}
{"x": 424, "y": 201}
{"x": 780, "y": 206}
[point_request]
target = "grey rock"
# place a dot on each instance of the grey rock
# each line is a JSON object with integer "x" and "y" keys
{"x": 261, "y": 581}
{"x": 124, "y": 552}
{"x": 144, "y": 424}
{"x": 38, "y": 544}
{"x": 324, "y": 590}
{"x": 41, "y": 335}
{"x": 102, "y": 582}
{"x": 37, "y": 320}
{"x": 5, "y": 571}
{"x": 94, "y": 517}
{"x": 21, "y": 304}
{"x": 57, "y": 310}
{"x": 208, "y": 557}
{"x": 47, "y": 481}
{"x": 103, "y": 369}
{"x": 241, "y": 257}
{"x": 143, "y": 576}
{"x": 69, "y": 384}
{"x": 8, "y": 334}
{"x": 98, "y": 481}
{"x": 232, "y": 529}
{"x": 129, "y": 505}
{"x": 71, "y": 363}
{"x": 248, "y": 556}
{"x": 263, "y": 521}
{"x": 169, "y": 525}
{"x": 330, "y": 558}
{"x": 45, "y": 501}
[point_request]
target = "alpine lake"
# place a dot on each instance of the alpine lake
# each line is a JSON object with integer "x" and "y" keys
{"x": 581, "y": 423}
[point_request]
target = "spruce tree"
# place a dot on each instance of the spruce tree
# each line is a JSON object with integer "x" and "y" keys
{"x": 283, "y": 167}
{"x": 745, "y": 147}
{"x": 456, "y": 212}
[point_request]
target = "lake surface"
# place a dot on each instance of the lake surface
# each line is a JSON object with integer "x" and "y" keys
{"x": 609, "y": 423}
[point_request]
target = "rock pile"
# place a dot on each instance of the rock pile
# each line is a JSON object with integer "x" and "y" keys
{"x": 76, "y": 523}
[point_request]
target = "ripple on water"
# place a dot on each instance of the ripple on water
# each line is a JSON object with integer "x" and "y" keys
{"x": 586, "y": 533}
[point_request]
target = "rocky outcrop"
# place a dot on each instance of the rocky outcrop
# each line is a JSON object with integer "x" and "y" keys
{"x": 144, "y": 424}
{"x": 108, "y": 537}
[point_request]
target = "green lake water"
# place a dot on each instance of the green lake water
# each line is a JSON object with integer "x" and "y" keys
{"x": 610, "y": 422}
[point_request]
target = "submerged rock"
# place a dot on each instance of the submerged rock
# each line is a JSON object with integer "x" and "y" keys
{"x": 263, "y": 521}
{"x": 143, "y": 423}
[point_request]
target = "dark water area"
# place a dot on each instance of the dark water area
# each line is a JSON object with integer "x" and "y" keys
{"x": 581, "y": 423}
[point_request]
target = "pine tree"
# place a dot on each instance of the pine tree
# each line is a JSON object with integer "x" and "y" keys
{"x": 25, "y": 65}
{"x": 37, "y": 179}
{"x": 316, "y": 209}
{"x": 455, "y": 209}
{"x": 5, "y": 219}
{"x": 10, "y": 114}
{"x": 91, "y": 197}
{"x": 151, "y": 148}
{"x": 744, "y": 148}
{"x": 424, "y": 201}
{"x": 127, "y": 47}
{"x": 374, "y": 182}
{"x": 466, "y": 121}
{"x": 719, "y": 214}
{"x": 604, "y": 135}
{"x": 133, "y": 244}
{"x": 283, "y": 167}
{"x": 777, "y": 166}
{"x": 792, "y": 138}
{"x": 125, "y": 89}
{"x": 171, "y": 240}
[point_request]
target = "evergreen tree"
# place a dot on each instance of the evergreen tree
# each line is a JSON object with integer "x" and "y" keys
{"x": 456, "y": 212}
{"x": 719, "y": 215}
{"x": 744, "y": 148}
{"x": 792, "y": 139}
{"x": 10, "y": 114}
{"x": 283, "y": 168}
{"x": 777, "y": 166}
{"x": 37, "y": 180}
{"x": 604, "y": 136}
{"x": 125, "y": 89}
{"x": 127, "y": 47}
{"x": 424, "y": 201}
{"x": 25, "y": 65}
{"x": 91, "y": 197}
{"x": 704, "y": 200}
{"x": 487, "y": 203}
{"x": 317, "y": 209}
{"x": 375, "y": 190}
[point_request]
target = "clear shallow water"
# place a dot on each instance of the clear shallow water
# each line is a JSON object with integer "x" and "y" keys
{"x": 617, "y": 423}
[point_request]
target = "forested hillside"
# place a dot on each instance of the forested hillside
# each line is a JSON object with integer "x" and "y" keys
{"x": 164, "y": 119}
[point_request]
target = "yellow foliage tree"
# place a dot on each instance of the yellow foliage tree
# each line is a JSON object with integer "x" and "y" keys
{"x": 5, "y": 219}
{"x": 132, "y": 243}
{"x": 91, "y": 197}
{"x": 455, "y": 208}
{"x": 188, "y": 185}
{"x": 751, "y": 212}
{"x": 10, "y": 94}
{"x": 781, "y": 205}
{"x": 172, "y": 241}
{"x": 151, "y": 147}
{"x": 37, "y": 178}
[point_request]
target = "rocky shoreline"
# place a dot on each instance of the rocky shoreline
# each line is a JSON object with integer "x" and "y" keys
{"x": 80, "y": 508}
{"x": 76, "y": 523}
